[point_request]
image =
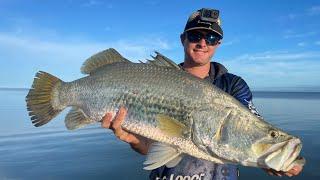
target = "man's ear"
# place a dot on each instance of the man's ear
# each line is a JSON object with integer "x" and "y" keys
{"x": 182, "y": 37}
{"x": 219, "y": 42}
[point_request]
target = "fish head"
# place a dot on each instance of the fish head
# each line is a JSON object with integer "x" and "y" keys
{"x": 276, "y": 149}
{"x": 245, "y": 139}
{"x": 258, "y": 144}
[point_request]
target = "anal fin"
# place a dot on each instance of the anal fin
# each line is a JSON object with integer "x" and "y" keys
{"x": 76, "y": 119}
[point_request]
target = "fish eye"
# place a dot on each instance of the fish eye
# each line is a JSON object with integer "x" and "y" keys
{"x": 274, "y": 134}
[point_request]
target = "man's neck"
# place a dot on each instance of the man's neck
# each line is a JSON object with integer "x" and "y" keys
{"x": 200, "y": 71}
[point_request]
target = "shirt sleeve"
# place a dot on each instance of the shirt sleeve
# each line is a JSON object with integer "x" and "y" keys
{"x": 241, "y": 91}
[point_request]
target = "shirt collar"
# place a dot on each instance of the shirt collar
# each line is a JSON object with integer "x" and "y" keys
{"x": 216, "y": 70}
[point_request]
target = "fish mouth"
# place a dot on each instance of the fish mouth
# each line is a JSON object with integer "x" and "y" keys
{"x": 282, "y": 154}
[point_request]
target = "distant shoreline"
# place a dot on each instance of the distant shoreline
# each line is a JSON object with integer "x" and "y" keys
{"x": 286, "y": 95}
{"x": 254, "y": 92}
{"x": 13, "y": 89}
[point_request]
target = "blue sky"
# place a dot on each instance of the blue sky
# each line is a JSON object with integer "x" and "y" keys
{"x": 272, "y": 44}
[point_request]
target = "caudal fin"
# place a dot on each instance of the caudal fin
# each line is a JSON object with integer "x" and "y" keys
{"x": 39, "y": 99}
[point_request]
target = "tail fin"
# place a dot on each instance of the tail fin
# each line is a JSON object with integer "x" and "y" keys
{"x": 39, "y": 99}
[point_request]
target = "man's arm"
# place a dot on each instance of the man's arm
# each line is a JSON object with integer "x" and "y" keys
{"x": 138, "y": 143}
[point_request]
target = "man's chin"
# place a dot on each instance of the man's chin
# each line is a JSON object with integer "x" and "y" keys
{"x": 201, "y": 62}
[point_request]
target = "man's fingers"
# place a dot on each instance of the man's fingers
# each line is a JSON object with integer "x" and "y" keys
{"x": 121, "y": 134}
{"x": 295, "y": 170}
{"x": 288, "y": 174}
{"x": 106, "y": 120}
{"x": 292, "y": 172}
{"x": 116, "y": 124}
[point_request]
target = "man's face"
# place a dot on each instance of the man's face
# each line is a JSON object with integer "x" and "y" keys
{"x": 198, "y": 52}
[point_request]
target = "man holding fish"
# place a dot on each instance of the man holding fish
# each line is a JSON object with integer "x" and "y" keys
{"x": 201, "y": 38}
{"x": 194, "y": 121}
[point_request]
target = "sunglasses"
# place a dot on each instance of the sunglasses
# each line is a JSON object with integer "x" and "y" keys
{"x": 210, "y": 38}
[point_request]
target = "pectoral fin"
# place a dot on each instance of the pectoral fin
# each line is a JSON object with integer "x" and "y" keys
{"x": 161, "y": 154}
{"x": 174, "y": 162}
{"x": 76, "y": 119}
{"x": 171, "y": 126}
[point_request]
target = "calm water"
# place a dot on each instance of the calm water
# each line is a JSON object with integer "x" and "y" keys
{"x": 52, "y": 152}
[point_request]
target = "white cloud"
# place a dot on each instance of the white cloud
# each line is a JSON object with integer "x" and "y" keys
{"x": 91, "y": 3}
{"x": 64, "y": 58}
{"x": 302, "y": 44}
{"x": 291, "y": 34}
{"x": 132, "y": 48}
{"x": 107, "y": 28}
{"x": 22, "y": 55}
{"x": 292, "y": 16}
{"x": 277, "y": 68}
{"x": 277, "y": 56}
{"x": 230, "y": 42}
{"x": 314, "y": 10}
{"x": 152, "y": 3}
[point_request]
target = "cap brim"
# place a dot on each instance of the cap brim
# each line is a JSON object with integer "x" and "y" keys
{"x": 205, "y": 29}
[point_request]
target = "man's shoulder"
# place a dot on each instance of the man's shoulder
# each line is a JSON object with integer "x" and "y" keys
{"x": 230, "y": 83}
{"x": 229, "y": 79}
{"x": 234, "y": 85}
{"x": 231, "y": 76}
{"x": 221, "y": 71}
{"x": 233, "y": 80}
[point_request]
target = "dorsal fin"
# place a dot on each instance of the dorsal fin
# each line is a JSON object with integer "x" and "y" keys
{"x": 100, "y": 59}
{"x": 161, "y": 60}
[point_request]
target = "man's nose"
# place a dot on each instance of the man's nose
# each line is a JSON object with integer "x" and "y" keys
{"x": 202, "y": 42}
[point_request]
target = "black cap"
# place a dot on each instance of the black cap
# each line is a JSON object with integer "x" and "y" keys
{"x": 205, "y": 19}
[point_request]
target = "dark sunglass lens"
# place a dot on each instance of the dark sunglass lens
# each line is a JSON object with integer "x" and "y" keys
{"x": 212, "y": 39}
{"x": 194, "y": 37}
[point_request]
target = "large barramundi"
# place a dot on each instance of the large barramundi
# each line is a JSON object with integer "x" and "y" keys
{"x": 181, "y": 113}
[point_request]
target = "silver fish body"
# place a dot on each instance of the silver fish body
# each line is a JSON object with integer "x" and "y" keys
{"x": 138, "y": 87}
{"x": 182, "y": 113}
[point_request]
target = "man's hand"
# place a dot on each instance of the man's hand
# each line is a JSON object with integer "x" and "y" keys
{"x": 292, "y": 172}
{"x": 138, "y": 143}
